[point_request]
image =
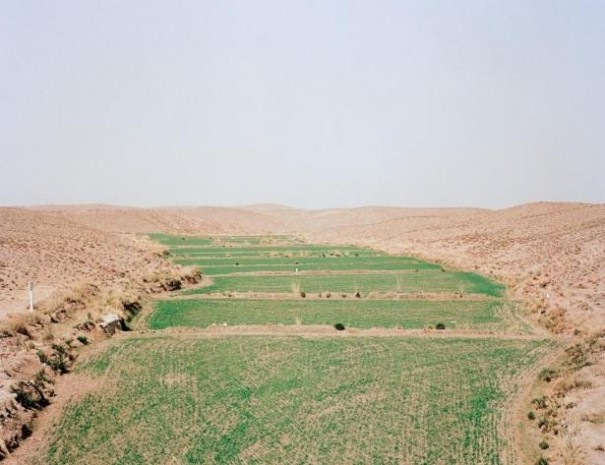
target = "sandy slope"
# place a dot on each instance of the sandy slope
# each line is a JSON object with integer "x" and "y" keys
{"x": 188, "y": 220}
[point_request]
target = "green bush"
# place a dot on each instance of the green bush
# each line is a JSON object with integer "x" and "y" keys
{"x": 23, "y": 396}
{"x": 42, "y": 357}
{"x": 541, "y": 402}
{"x": 60, "y": 359}
{"x": 548, "y": 374}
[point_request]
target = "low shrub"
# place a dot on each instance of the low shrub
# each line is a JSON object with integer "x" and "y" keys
{"x": 30, "y": 395}
{"x": 23, "y": 396}
{"x": 440, "y": 326}
{"x": 42, "y": 357}
{"x": 541, "y": 402}
{"x": 339, "y": 326}
{"x": 59, "y": 361}
{"x": 548, "y": 374}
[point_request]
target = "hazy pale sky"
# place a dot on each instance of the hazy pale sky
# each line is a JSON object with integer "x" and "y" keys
{"x": 306, "y": 103}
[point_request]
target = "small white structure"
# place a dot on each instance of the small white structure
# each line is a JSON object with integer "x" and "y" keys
{"x": 30, "y": 289}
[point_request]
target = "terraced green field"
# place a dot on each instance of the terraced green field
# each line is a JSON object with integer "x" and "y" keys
{"x": 219, "y": 395}
{"x": 427, "y": 281}
{"x": 286, "y": 250}
{"x": 173, "y": 241}
{"x": 385, "y": 262}
{"x": 230, "y": 265}
{"x": 409, "y": 314}
{"x": 258, "y": 400}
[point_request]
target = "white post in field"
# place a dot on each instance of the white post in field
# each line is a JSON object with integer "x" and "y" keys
{"x": 30, "y": 288}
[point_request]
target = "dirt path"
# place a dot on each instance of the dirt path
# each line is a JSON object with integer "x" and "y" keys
{"x": 515, "y": 422}
{"x": 322, "y": 331}
{"x": 441, "y": 297}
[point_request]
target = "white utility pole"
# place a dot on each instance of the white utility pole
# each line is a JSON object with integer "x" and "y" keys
{"x": 30, "y": 288}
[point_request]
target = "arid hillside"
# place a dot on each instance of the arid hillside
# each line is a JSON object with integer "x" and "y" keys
{"x": 58, "y": 254}
{"x": 186, "y": 220}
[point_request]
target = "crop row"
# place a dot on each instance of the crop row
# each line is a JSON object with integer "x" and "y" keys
{"x": 426, "y": 281}
{"x": 409, "y": 314}
{"x": 291, "y": 265}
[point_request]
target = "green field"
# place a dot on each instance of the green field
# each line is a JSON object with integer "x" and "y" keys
{"x": 409, "y": 314}
{"x": 175, "y": 241}
{"x": 386, "y": 262}
{"x": 215, "y": 395}
{"x": 229, "y": 265}
{"x": 426, "y": 281}
{"x": 320, "y": 251}
{"x": 258, "y": 400}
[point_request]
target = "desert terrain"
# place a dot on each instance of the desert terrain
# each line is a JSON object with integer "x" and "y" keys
{"x": 95, "y": 259}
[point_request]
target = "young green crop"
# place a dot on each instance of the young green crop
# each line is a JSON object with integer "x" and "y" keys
{"x": 255, "y": 265}
{"x": 409, "y": 314}
{"x": 258, "y": 400}
{"x": 426, "y": 281}
{"x": 175, "y": 241}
